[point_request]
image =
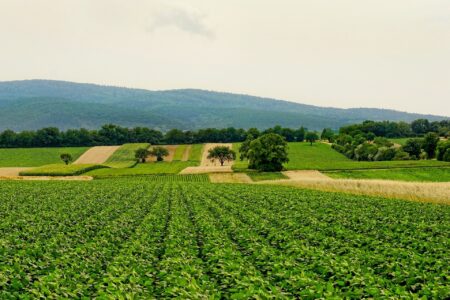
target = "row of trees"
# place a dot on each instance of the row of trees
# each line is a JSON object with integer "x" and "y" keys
{"x": 364, "y": 148}
{"x": 398, "y": 129}
{"x": 111, "y": 134}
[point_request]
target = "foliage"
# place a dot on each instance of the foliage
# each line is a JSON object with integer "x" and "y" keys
{"x": 268, "y": 153}
{"x": 141, "y": 154}
{"x": 443, "y": 149}
{"x": 222, "y": 154}
{"x": 159, "y": 153}
{"x": 311, "y": 137}
{"x": 34, "y": 157}
{"x": 413, "y": 147}
{"x": 408, "y": 174}
{"x": 141, "y": 239}
{"x": 61, "y": 170}
{"x": 327, "y": 134}
{"x": 429, "y": 144}
{"x": 66, "y": 158}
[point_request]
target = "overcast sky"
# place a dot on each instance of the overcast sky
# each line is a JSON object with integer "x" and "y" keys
{"x": 341, "y": 53}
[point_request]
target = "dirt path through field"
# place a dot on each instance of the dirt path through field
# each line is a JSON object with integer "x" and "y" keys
{"x": 168, "y": 158}
{"x": 207, "y": 162}
{"x": 186, "y": 153}
{"x": 96, "y": 155}
{"x": 12, "y": 171}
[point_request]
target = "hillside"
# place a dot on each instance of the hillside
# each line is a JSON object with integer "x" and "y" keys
{"x": 33, "y": 104}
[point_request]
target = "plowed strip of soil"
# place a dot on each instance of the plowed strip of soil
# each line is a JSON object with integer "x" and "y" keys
{"x": 207, "y": 162}
{"x": 96, "y": 155}
{"x": 168, "y": 158}
{"x": 12, "y": 171}
{"x": 186, "y": 153}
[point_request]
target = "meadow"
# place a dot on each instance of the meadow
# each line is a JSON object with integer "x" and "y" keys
{"x": 135, "y": 238}
{"x": 321, "y": 157}
{"x": 34, "y": 157}
{"x": 409, "y": 174}
{"x": 61, "y": 170}
{"x": 124, "y": 156}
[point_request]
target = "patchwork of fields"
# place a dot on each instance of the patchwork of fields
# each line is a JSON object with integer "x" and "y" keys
{"x": 123, "y": 238}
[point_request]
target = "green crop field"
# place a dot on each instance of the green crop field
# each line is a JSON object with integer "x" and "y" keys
{"x": 409, "y": 174}
{"x": 196, "y": 152}
{"x": 124, "y": 156}
{"x": 138, "y": 239}
{"x": 61, "y": 170}
{"x": 320, "y": 156}
{"x": 34, "y": 157}
{"x": 152, "y": 168}
{"x": 260, "y": 176}
{"x": 179, "y": 152}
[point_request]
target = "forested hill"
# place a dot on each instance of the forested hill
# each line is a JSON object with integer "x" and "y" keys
{"x": 33, "y": 104}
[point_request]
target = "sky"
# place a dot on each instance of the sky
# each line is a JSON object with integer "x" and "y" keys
{"x": 339, "y": 53}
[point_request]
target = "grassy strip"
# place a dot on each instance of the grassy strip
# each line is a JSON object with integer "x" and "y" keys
{"x": 35, "y": 157}
{"x": 144, "y": 169}
{"x": 124, "y": 156}
{"x": 168, "y": 177}
{"x": 409, "y": 174}
{"x": 179, "y": 152}
{"x": 260, "y": 176}
{"x": 196, "y": 152}
{"x": 61, "y": 170}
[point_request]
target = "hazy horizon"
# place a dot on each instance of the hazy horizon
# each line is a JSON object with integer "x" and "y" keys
{"x": 345, "y": 54}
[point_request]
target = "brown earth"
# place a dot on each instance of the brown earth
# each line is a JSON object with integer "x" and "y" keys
{"x": 168, "y": 158}
{"x": 12, "y": 171}
{"x": 96, "y": 155}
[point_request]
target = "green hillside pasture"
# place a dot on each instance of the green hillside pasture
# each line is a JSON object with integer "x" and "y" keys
{"x": 196, "y": 152}
{"x": 409, "y": 174}
{"x": 144, "y": 169}
{"x": 124, "y": 156}
{"x": 114, "y": 238}
{"x": 322, "y": 157}
{"x": 61, "y": 170}
{"x": 261, "y": 176}
{"x": 35, "y": 157}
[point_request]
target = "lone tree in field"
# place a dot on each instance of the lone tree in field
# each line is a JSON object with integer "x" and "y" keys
{"x": 311, "y": 137}
{"x": 159, "y": 152}
{"x": 268, "y": 153}
{"x": 66, "y": 158}
{"x": 141, "y": 154}
{"x": 222, "y": 154}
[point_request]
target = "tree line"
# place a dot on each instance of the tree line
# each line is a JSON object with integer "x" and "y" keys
{"x": 111, "y": 134}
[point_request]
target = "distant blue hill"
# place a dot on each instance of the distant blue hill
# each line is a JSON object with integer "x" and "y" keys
{"x": 33, "y": 104}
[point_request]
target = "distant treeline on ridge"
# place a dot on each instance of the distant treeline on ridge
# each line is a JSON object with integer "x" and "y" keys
{"x": 111, "y": 134}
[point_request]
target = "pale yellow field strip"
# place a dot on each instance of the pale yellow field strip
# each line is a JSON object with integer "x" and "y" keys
{"x": 169, "y": 158}
{"x": 186, "y": 153}
{"x": 230, "y": 178}
{"x": 44, "y": 178}
{"x": 12, "y": 171}
{"x": 305, "y": 174}
{"x": 205, "y": 170}
{"x": 96, "y": 155}
{"x": 207, "y": 162}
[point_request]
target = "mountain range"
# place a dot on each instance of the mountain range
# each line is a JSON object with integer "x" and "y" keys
{"x": 33, "y": 104}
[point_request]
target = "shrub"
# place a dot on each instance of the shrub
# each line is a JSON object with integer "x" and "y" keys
{"x": 385, "y": 153}
{"x": 442, "y": 149}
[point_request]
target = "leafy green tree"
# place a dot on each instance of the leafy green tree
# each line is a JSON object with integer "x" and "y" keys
{"x": 327, "y": 134}
{"x": 442, "y": 149}
{"x": 366, "y": 151}
{"x": 413, "y": 147}
{"x": 268, "y": 153}
{"x": 429, "y": 144}
{"x": 222, "y": 154}
{"x": 311, "y": 137}
{"x": 66, "y": 158}
{"x": 245, "y": 146}
{"x": 299, "y": 134}
{"x": 159, "y": 152}
{"x": 370, "y": 136}
{"x": 420, "y": 126}
{"x": 141, "y": 154}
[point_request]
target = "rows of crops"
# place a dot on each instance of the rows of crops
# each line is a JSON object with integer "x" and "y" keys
{"x": 137, "y": 238}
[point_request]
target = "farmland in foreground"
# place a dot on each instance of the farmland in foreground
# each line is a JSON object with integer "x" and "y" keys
{"x": 321, "y": 157}
{"x": 134, "y": 238}
{"x": 34, "y": 157}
